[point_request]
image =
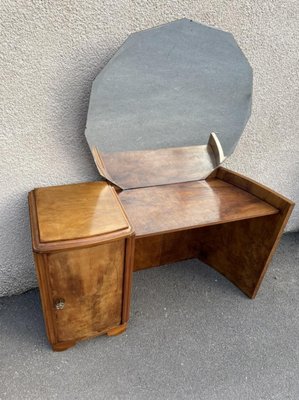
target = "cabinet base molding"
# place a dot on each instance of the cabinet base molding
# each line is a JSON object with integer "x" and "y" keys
{"x": 115, "y": 331}
{"x": 118, "y": 330}
{"x": 63, "y": 345}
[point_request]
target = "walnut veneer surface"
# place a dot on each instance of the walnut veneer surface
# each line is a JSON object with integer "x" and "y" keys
{"x": 87, "y": 240}
{"x": 236, "y": 234}
{"x": 77, "y": 211}
{"x": 90, "y": 280}
{"x": 156, "y": 167}
{"x": 83, "y": 250}
{"x": 186, "y": 205}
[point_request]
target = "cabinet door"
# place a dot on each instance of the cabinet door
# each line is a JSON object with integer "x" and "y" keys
{"x": 86, "y": 289}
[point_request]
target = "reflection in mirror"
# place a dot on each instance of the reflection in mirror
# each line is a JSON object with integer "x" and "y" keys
{"x": 133, "y": 169}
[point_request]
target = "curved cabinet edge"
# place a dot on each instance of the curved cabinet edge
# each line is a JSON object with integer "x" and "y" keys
{"x": 242, "y": 250}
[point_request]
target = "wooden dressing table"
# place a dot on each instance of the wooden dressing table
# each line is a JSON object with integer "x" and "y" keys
{"x": 155, "y": 206}
{"x": 84, "y": 243}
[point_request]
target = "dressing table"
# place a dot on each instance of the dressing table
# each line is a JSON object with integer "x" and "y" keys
{"x": 164, "y": 113}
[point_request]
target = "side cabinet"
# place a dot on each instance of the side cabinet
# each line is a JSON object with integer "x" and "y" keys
{"x": 84, "y": 284}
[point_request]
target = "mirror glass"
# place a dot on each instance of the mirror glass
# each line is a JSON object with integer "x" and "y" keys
{"x": 171, "y": 86}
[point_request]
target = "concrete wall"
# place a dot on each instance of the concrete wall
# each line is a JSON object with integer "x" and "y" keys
{"x": 52, "y": 50}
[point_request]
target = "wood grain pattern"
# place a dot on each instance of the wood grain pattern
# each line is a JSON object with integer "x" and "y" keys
{"x": 243, "y": 252}
{"x": 91, "y": 274}
{"x": 46, "y": 299}
{"x": 95, "y": 284}
{"x": 135, "y": 169}
{"x": 240, "y": 250}
{"x": 77, "y": 211}
{"x": 188, "y": 205}
{"x": 228, "y": 221}
{"x": 257, "y": 189}
{"x": 160, "y": 249}
{"x": 45, "y": 247}
{"x": 91, "y": 283}
{"x": 128, "y": 275}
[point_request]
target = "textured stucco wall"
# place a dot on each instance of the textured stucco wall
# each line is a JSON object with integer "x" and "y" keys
{"x": 51, "y": 51}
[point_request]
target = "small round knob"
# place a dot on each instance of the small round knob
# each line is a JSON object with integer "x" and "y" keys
{"x": 59, "y": 304}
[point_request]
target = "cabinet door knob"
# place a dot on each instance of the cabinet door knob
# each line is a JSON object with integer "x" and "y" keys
{"x": 59, "y": 304}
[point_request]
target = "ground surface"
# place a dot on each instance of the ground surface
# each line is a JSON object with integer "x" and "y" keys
{"x": 192, "y": 335}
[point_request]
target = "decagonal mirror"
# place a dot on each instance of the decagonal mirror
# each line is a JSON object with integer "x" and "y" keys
{"x": 169, "y": 106}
